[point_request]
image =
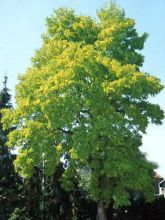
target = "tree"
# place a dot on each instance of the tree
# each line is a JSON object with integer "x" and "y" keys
{"x": 49, "y": 200}
{"x": 10, "y": 182}
{"x": 33, "y": 195}
{"x": 86, "y": 98}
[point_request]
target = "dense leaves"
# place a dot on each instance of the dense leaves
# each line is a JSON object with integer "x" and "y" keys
{"x": 86, "y": 97}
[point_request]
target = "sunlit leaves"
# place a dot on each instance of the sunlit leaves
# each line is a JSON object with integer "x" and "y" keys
{"x": 85, "y": 101}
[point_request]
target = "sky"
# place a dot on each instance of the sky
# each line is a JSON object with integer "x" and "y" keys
{"x": 23, "y": 21}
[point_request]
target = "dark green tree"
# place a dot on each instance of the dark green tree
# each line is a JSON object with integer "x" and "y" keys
{"x": 67, "y": 204}
{"x": 33, "y": 195}
{"x": 46, "y": 198}
{"x": 11, "y": 183}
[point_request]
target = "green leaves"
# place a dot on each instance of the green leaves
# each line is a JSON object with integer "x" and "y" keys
{"x": 85, "y": 99}
{"x": 64, "y": 24}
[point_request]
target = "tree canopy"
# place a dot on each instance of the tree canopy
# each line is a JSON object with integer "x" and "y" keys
{"x": 85, "y": 100}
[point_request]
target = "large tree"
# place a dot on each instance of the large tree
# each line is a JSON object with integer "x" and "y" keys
{"x": 85, "y": 98}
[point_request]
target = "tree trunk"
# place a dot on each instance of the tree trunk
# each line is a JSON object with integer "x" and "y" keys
{"x": 101, "y": 215}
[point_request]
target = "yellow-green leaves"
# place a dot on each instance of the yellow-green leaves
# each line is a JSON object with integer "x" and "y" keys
{"x": 118, "y": 38}
{"x": 84, "y": 101}
{"x": 64, "y": 24}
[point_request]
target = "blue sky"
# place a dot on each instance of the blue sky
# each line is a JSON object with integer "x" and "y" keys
{"x": 23, "y": 21}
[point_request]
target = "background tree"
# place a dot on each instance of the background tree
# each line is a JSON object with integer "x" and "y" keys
{"x": 33, "y": 195}
{"x": 11, "y": 184}
{"x": 86, "y": 97}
